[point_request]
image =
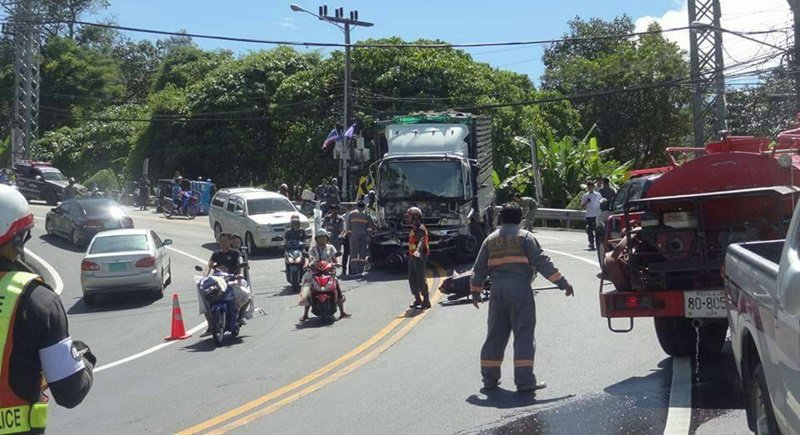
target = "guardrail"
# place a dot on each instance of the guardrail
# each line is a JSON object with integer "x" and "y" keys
{"x": 564, "y": 216}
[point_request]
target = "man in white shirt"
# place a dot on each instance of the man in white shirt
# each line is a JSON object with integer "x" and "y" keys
{"x": 591, "y": 202}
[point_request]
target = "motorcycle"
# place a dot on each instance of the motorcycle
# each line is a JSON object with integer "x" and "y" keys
{"x": 218, "y": 291}
{"x": 191, "y": 199}
{"x": 323, "y": 290}
{"x": 295, "y": 263}
{"x": 456, "y": 286}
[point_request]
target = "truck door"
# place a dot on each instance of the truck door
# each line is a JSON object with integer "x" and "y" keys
{"x": 787, "y": 336}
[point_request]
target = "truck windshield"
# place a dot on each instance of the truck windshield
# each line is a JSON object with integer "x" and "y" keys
{"x": 421, "y": 179}
{"x": 53, "y": 175}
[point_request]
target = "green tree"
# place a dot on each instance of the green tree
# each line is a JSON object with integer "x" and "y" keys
{"x": 75, "y": 81}
{"x": 764, "y": 109}
{"x": 63, "y": 14}
{"x": 640, "y": 124}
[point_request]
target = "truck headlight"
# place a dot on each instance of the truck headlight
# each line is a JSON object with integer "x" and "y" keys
{"x": 263, "y": 228}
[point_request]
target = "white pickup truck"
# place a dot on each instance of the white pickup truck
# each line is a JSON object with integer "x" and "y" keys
{"x": 762, "y": 284}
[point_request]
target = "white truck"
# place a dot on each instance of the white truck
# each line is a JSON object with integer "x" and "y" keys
{"x": 441, "y": 163}
{"x": 762, "y": 285}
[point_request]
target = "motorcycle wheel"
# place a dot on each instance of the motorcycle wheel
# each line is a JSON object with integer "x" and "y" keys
{"x": 218, "y": 318}
{"x": 168, "y": 209}
{"x": 191, "y": 211}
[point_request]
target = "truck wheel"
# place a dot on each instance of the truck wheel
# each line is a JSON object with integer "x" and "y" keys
{"x": 51, "y": 198}
{"x": 760, "y": 404}
{"x": 712, "y": 337}
{"x": 675, "y": 335}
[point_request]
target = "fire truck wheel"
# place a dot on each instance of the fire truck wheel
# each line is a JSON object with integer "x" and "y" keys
{"x": 677, "y": 336}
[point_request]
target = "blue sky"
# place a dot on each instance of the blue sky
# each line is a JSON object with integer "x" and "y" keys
{"x": 449, "y": 20}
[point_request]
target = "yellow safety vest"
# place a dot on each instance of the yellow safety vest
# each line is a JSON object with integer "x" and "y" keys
{"x": 16, "y": 414}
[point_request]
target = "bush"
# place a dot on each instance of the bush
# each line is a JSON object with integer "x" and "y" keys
{"x": 105, "y": 180}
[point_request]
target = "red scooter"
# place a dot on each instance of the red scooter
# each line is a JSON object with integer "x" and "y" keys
{"x": 323, "y": 290}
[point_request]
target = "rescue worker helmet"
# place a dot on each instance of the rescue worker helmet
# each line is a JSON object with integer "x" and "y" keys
{"x": 16, "y": 219}
{"x": 284, "y": 186}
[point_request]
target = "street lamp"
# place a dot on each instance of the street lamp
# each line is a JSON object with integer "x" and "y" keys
{"x": 344, "y": 24}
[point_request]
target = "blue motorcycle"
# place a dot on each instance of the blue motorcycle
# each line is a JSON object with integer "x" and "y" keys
{"x": 216, "y": 289}
{"x": 186, "y": 205}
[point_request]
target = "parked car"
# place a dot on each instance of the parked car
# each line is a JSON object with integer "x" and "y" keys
{"x": 80, "y": 219}
{"x": 762, "y": 287}
{"x": 40, "y": 180}
{"x": 125, "y": 260}
{"x": 260, "y": 217}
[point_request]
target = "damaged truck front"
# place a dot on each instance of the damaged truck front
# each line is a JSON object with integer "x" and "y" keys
{"x": 441, "y": 163}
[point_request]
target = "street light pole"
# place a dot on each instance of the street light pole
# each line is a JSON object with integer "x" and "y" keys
{"x": 344, "y": 24}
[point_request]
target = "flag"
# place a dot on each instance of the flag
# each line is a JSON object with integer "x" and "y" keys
{"x": 350, "y": 131}
{"x": 333, "y": 136}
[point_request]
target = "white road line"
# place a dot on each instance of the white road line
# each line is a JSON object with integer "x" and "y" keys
{"x": 197, "y": 259}
{"x": 58, "y": 285}
{"x": 679, "y": 416}
{"x": 576, "y": 257}
{"x": 146, "y": 352}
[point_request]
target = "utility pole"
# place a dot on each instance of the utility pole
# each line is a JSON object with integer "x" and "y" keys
{"x": 25, "y": 110}
{"x": 707, "y": 69}
{"x": 345, "y": 24}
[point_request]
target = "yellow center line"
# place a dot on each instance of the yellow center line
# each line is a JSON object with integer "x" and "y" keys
{"x": 322, "y": 371}
{"x": 361, "y": 361}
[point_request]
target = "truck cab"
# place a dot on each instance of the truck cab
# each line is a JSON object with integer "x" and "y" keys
{"x": 441, "y": 163}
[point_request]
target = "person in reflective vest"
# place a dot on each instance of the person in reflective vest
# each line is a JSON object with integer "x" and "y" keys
{"x": 418, "y": 251}
{"x": 359, "y": 227}
{"x": 511, "y": 256}
{"x": 38, "y": 352}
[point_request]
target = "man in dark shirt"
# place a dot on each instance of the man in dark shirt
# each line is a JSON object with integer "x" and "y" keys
{"x": 606, "y": 191}
{"x": 225, "y": 260}
{"x": 38, "y": 348}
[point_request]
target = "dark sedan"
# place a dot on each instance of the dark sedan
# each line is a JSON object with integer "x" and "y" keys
{"x": 79, "y": 220}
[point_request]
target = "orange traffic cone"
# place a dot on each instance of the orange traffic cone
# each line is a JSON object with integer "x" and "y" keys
{"x": 178, "y": 331}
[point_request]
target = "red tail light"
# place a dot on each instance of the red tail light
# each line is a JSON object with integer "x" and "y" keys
{"x": 146, "y": 262}
{"x": 89, "y": 266}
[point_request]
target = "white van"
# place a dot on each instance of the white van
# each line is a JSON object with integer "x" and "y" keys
{"x": 261, "y": 218}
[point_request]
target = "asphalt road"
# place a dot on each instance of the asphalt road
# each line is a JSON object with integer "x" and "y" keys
{"x": 385, "y": 370}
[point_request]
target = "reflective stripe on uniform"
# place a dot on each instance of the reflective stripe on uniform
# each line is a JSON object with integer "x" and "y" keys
{"x": 17, "y": 415}
{"x": 491, "y": 362}
{"x": 523, "y": 363}
{"x": 58, "y": 361}
{"x": 23, "y": 418}
{"x": 514, "y": 259}
{"x": 554, "y": 277}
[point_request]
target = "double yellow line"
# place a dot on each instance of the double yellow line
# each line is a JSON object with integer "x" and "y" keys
{"x": 267, "y": 404}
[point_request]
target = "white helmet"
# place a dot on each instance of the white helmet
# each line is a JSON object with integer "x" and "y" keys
{"x": 322, "y": 233}
{"x": 15, "y": 217}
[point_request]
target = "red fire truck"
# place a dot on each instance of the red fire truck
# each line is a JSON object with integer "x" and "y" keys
{"x": 666, "y": 241}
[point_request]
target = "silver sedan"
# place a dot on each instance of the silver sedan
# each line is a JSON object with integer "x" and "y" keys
{"x": 125, "y": 260}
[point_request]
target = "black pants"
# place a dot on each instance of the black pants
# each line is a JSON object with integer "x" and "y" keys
{"x": 345, "y": 254}
{"x": 416, "y": 278}
{"x": 591, "y": 225}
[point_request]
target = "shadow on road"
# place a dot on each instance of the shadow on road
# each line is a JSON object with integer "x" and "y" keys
{"x": 718, "y": 390}
{"x": 114, "y": 302}
{"x": 501, "y": 398}
{"x": 314, "y": 322}
{"x": 206, "y": 344}
{"x": 62, "y": 243}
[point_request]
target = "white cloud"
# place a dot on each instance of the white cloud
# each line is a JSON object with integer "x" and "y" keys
{"x": 737, "y": 15}
{"x": 288, "y": 23}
